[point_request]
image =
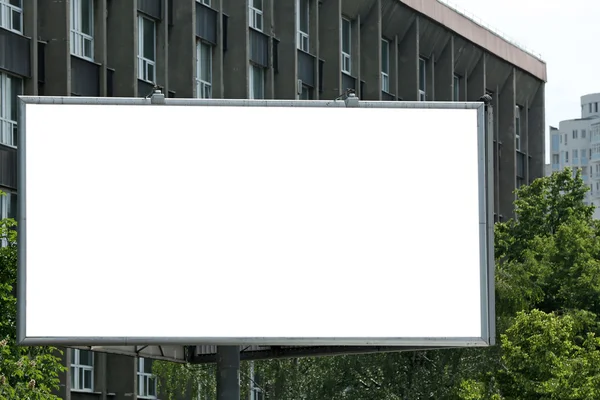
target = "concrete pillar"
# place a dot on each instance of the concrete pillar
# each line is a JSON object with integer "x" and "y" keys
{"x": 408, "y": 63}
{"x": 370, "y": 54}
{"x": 182, "y": 49}
{"x": 444, "y": 73}
{"x": 313, "y": 24}
{"x": 394, "y": 78}
{"x": 100, "y": 42}
{"x": 285, "y": 30}
{"x": 30, "y": 29}
{"x": 269, "y": 22}
{"x": 162, "y": 48}
{"x": 356, "y": 54}
{"x": 236, "y": 61}
{"x": 217, "y": 72}
{"x": 55, "y": 28}
{"x": 476, "y": 84}
{"x": 122, "y": 46}
{"x": 505, "y": 113}
{"x": 536, "y": 133}
{"x": 122, "y": 376}
{"x": 100, "y": 383}
{"x": 330, "y": 47}
{"x": 430, "y": 88}
{"x": 64, "y": 378}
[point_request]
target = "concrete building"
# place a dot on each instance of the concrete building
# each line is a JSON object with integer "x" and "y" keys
{"x": 576, "y": 144}
{"x": 412, "y": 50}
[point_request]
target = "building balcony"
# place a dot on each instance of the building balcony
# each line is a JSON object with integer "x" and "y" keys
{"x": 555, "y": 167}
{"x": 575, "y": 162}
{"x": 595, "y": 157}
{"x": 306, "y": 68}
{"x": 584, "y": 161}
{"x": 85, "y": 77}
{"x": 15, "y": 53}
{"x": 348, "y": 82}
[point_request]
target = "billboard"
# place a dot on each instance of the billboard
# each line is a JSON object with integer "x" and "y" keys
{"x": 271, "y": 223}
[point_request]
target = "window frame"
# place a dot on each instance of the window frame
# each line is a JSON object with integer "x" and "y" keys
{"x": 76, "y": 382}
{"x": 8, "y": 93}
{"x": 252, "y": 80}
{"x": 456, "y": 88}
{"x": 6, "y": 15}
{"x": 78, "y": 37}
{"x": 518, "y": 128}
{"x": 144, "y": 62}
{"x": 255, "y": 15}
{"x": 205, "y": 2}
{"x": 346, "y": 57}
{"x": 203, "y": 85}
{"x": 302, "y": 37}
{"x": 385, "y": 66}
{"x": 422, "y": 77}
{"x": 144, "y": 381}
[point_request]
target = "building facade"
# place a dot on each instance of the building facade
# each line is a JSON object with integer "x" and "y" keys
{"x": 394, "y": 50}
{"x": 576, "y": 144}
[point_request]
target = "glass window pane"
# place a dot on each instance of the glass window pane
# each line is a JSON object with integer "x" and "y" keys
{"x": 152, "y": 386}
{"x": 14, "y": 90}
{"x": 422, "y": 73}
{"x": 73, "y": 378}
{"x": 12, "y": 202}
{"x": 150, "y": 76}
{"x": 87, "y": 48}
{"x": 148, "y": 32}
{"x": 16, "y": 3}
{"x": 257, "y": 4}
{"x": 304, "y": 10}
{"x": 87, "y": 379}
{"x": 85, "y": 357}
{"x": 385, "y": 61}
{"x": 206, "y": 60}
{"x": 147, "y": 366}
{"x": 16, "y": 21}
{"x": 346, "y": 36}
{"x": 86, "y": 17}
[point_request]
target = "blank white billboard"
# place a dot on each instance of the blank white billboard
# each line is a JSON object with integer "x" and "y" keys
{"x": 239, "y": 222}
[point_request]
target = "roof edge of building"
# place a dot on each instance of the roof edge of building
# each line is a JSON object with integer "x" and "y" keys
{"x": 480, "y": 35}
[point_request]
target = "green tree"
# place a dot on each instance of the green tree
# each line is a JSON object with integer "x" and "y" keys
{"x": 26, "y": 373}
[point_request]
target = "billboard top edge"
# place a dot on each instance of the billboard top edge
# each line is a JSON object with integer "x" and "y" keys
{"x": 133, "y": 101}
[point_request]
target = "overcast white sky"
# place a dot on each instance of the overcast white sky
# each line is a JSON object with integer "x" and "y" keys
{"x": 565, "y": 33}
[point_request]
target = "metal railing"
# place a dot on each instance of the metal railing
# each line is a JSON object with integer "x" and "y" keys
{"x": 490, "y": 28}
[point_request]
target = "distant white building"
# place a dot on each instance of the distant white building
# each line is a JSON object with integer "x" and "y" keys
{"x": 576, "y": 143}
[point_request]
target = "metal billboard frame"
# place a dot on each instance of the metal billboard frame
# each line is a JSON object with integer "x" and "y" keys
{"x": 486, "y": 232}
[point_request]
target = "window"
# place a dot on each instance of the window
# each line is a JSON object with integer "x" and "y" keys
{"x": 583, "y": 153}
{"x": 590, "y": 107}
{"x": 596, "y": 107}
{"x": 306, "y": 93}
{"x": 146, "y": 380}
{"x": 82, "y": 28}
{"x": 560, "y": 139}
{"x": 10, "y": 88}
{"x": 257, "y": 82}
{"x": 206, "y": 2}
{"x": 82, "y": 370}
{"x": 146, "y": 49}
{"x": 566, "y": 139}
{"x": 346, "y": 46}
{"x": 518, "y": 128}
{"x": 11, "y": 15}
{"x": 385, "y": 65}
{"x": 575, "y": 154}
{"x": 574, "y": 133}
{"x": 303, "y": 26}
{"x": 456, "y": 88}
{"x": 422, "y": 79}
{"x": 203, "y": 70}
{"x": 583, "y": 133}
{"x": 566, "y": 156}
{"x": 554, "y": 158}
{"x": 255, "y": 14}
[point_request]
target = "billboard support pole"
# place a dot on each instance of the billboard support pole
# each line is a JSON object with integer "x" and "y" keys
{"x": 228, "y": 373}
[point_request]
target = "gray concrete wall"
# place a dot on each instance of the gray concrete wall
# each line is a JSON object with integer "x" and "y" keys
{"x": 506, "y": 134}
{"x": 285, "y": 30}
{"x": 30, "y": 28}
{"x": 182, "y": 49}
{"x": 100, "y": 41}
{"x": 122, "y": 376}
{"x": 236, "y": 61}
{"x": 330, "y": 48}
{"x": 54, "y": 27}
{"x": 408, "y": 64}
{"x": 370, "y": 54}
{"x": 444, "y": 71}
{"x": 122, "y": 46}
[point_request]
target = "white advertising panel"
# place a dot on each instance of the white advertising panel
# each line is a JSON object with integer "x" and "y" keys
{"x": 267, "y": 223}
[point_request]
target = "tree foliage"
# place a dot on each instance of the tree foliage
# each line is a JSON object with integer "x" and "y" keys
{"x": 26, "y": 373}
{"x": 547, "y": 305}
